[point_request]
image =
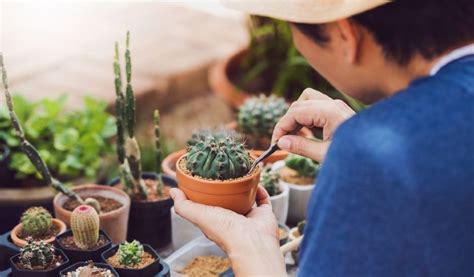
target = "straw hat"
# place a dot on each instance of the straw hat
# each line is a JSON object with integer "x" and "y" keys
{"x": 304, "y": 11}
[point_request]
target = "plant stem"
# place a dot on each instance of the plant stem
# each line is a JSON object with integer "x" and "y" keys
{"x": 158, "y": 153}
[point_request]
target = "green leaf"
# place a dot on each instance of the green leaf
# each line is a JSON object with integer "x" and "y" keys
{"x": 66, "y": 139}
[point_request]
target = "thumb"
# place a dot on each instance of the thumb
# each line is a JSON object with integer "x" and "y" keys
{"x": 315, "y": 150}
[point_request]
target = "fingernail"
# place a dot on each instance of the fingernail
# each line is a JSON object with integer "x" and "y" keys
{"x": 284, "y": 143}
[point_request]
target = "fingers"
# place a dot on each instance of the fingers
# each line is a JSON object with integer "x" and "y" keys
{"x": 189, "y": 210}
{"x": 312, "y": 94}
{"x": 262, "y": 197}
{"x": 315, "y": 150}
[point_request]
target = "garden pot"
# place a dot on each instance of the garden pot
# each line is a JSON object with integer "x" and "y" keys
{"x": 21, "y": 242}
{"x": 114, "y": 223}
{"x": 17, "y": 272}
{"x": 299, "y": 198}
{"x": 168, "y": 165}
{"x": 7, "y": 250}
{"x": 77, "y": 255}
{"x": 156, "y": 269}
{"x": 79, "y": 264}
{"x": 277, "y": 155}
{"x": 280, "y": 203}
{"x": 150, "y": 221}
{"x": 183, "y": 230}
{"x": 221, "y": 84}
{"x": 286, "y": 229}
{"x": 237, "y": 195}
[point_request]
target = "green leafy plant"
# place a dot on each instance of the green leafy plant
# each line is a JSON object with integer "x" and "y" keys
{"x": 130, "y": 253}
{"x": 305, "y": 167}
{"x": 128, "y": 150}
{"x": 36, "y": 221}
{"x": 273, "y": 64}
{"x": 219, "y": 156}
{"x": 270, "y": 181}
{"x": 36, "y": 254}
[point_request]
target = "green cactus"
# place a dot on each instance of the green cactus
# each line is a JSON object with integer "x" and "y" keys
{"x": 220, "y": 157}
{"x": 30, "y": 151}
{"x": 270, "y": 181}
{"x": 301, "y": 225}
{"x": 305, "y": 167}
{"x": 36, "y": 254}
{"x": 36, "y": 221}
{"x": 130, "y": 253}
{"x": 158, "y": 153}
{"x": 85, "y": 227}
{"x": 258, "y": 115}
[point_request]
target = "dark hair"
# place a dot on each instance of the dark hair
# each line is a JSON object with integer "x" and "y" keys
{"x": 407, "y": 27}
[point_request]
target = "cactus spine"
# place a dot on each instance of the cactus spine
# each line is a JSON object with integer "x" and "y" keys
{"x": 130, "y": 253}
{"x": 30, "y": 151}
{"x": 305, "y": 167}
{"x": 270, "y": 181}
{"x": 36, "y": 221}
{"x": 218, "y": 156}
{"x": 85, "y": 227}
{"x": 36, "y": 254}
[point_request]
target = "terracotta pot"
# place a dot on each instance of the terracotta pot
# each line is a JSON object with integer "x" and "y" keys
{"x": 21, "y": 242}
{"x": 220, "y": 82}
{"x": 114, "y": 222}
{"x": 237, "y": 195}
{"x": 279, "y": 154}
{"x": 169, "y": 163}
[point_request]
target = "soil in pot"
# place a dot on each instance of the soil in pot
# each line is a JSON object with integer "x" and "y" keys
{"x": 208, "y": 266}
{"x": 147, "y": 259}
{"x": 52, "y": 232}
{"x": 291, "y": 176}
{"x": 106, "y": 204}
{"x": 20, "y": 269}
{"x": 66, "y": 243}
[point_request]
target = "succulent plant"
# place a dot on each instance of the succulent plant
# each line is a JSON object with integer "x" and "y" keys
{"x": 85, "y": 226}
{"x": 36, "y": 254}
{"x": 258, "y": 115}
{"x": 270, "y": 180}
{"x": 305, "y": 167}
{"x": 36, "y": 221}
{"x": 219, "y": 156}
{"x": 301, "y": 225}
{"x": 201, "y": 135}
{"x": 130, "y": 253}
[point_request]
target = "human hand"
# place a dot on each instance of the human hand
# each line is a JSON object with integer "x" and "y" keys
{"x": 312, "y": 109}
{"x": 250, "y": 241}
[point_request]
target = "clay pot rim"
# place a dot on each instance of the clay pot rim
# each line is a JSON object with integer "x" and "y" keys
{"x": 21, "y": 242}
{"x": 93, "y": 187}
{"x": 218, "y": 182}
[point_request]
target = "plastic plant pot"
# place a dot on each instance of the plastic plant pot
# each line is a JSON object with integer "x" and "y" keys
{"x": 280, "y": 203}
{"x": 156, "y": 269}
{"x": 150, "y": 221}
{"x": 77, "y": 265}
{"x": 7, "y": 250}
{"x": 17, "y": 272}
{"x": 83, "y": 255}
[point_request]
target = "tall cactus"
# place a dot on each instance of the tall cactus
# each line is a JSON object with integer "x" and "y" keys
{"x": 36, "y": 221}
{"x": 30, "y": 151}
{"x": 85, "y": 227}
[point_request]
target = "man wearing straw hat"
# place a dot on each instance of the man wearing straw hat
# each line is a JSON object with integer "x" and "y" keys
{"x": 395, "y": 195}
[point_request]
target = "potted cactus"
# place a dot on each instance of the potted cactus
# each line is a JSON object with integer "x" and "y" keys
{"x": 299, "y": 174}
{"x": 135, "y": 259}
{"x": 215, "y": 171}
{"x": 150, "y": 218}
{"x": 38, "y": 224}
{"x": 89, "y": 269}
{"x": 85, "y": 241}
{"x": 38, "y": 258}
{"x": 279, "y": 192}
{"x": 256, "y": 119}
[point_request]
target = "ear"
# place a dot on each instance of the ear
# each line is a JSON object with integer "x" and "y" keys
{"x": 351, "y": 38}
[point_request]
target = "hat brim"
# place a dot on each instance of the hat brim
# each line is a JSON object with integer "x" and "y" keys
{"x": 304, "y": 11}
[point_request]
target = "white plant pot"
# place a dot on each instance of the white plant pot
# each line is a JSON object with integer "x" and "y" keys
{"x": 183, "y": 231}
{"x": 280, "y": 203}
{"x": 298, "y": 200}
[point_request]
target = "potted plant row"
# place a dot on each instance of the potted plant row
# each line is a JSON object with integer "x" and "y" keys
{"x": 150, "y": 218}
{"x": 112, "y": 204}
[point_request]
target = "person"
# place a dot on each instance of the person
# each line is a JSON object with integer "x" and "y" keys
{"x": 395, "y": 194}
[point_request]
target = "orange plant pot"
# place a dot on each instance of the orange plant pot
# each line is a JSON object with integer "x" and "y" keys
{"x": 21, "y": 242}
{"x": 237, "y": 195}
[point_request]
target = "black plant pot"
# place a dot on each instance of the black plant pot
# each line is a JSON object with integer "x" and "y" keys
{"x": 77, "y": 265}
{"x": 7, "y": 250}
{"x": 150, "y": 222}
{"x": 17, "y": 272}
{"x": 156, "y": 269}
{"x": 82, "y": 255}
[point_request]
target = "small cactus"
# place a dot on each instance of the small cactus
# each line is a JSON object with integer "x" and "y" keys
{"x": 85, "y": 227}
{"x": 36, "y": 221}
{"x": 258, "y": 115}
{"x": 219, "y": 157}
{"x": 305, "y": 167}
{"x": 301, "y": 225}
{"x": 36, "y": 254}
{"x": 270, "y": 181}
{"x": 130, "y": 253}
